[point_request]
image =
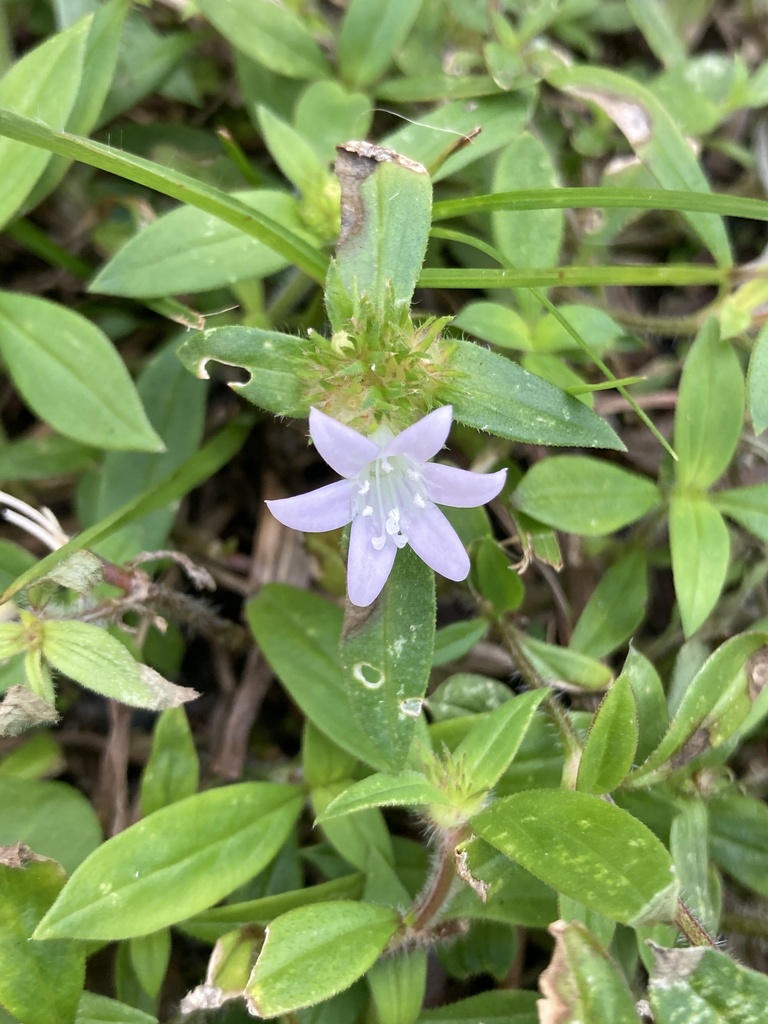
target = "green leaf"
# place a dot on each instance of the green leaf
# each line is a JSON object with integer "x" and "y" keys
{"x": 33, "y": 458}
{"x": 757, "y": 382}
{"x": 371, "y": 33}
{"x": 666, "y": 274}
{"x": 586, "y": 848}
{"x": 382, "y": 243}
{"x": 501, "y": 1006}
{"x": 171, "y": 183}
{"x": 407, "y": 789}
{"x": 512, "y": 894}
{"x": 98, "y": 661}
{"x": 527, "y": 239}
{"x": 38, "y": 984}
{"x": 211, "y": 924}
{"x": 397, "y": 986}
{"x": 326, "y": 115}
{"x": 299, "y": 635}
{"x": 70, "y": 375}
{"x": 494, "y": 394}
{"x": 710, "y": 409}
{"x": 495, "y": 578}
{"x": 688, "y": 846}
{"x": 432, "y": 139}
{"x": 358, "y": 837}
{"x": 175, "y": 863}
{"x": 653, "y": 135}
{"x": 606, "y": 196}
{"x": 175, "y": 404}
{"x": 190, "y": 250}
{"x": 43, "y": 85}
{"x": 738, "y": 838}
{"x": 172, "y": 771}
{"x": 467, "y": 694}
{"x": 496, "y": 324}
{"x": 492, "y": 743}
{"x": 94, "y": 1009}
{"x": 748, "y": 506}
{"x": 295, "y": 157}
{"x": 313, "y": 952}
{"x": 582, "y": 983}
{"x": 659, "y": 30}
{"x": 98, "y": 67}
{"x": 39, "y": 756}
{"x": 52, "y": 818}
{"x": 650, "y": 700}
{"x": 700, "y": 546}
{"x": 713, "y": 706}
{"x": 706, "y": 986}
{"x": 386, "y": 651}
{"x": 616, "y": 607}
{"x": 561, "y": 667}
{"x": 582, "y": 495}
{"x": 594, "y": 325}
{"x": 271, "y": 34}
{"x": 486, "y": 947}
{"x": 454, "y": 641}
{"x": 271, "y": 358}
{"x": 610, "y": 746}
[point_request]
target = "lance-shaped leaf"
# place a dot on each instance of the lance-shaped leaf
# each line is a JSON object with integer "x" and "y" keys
{"x": 191, "y": 250}
{"x": 313, "y": 952}
{"x": 69, "y": 373}
{"x": 586, "y": 848}
{"x": 715, "y": 703}
{"x": 386, "y": 651}
{"x": 654, "y": 136}
{"x": 702, "y": 984}
{"x": 612, "y": 740}
{"x": 582, "y": 495}
{"x": 757, "y": 382}
{"x": 493, "y": 393}
{"x": 710, "y": 409}
{"x": 98, "y": 661}
{"x": 38, "y": 984}
{"x": 582, "y": 983}
{"x": 492, "y": 742}
{"x": 408, "y": 789}
{"x": 272, "y": 359}
{"x": 43, "y": 85}
{"x": 700, "y": 547}
{"x": 299, "y": 635}
{"x": 175, "y": 863}
{"x": 386, "y": 205}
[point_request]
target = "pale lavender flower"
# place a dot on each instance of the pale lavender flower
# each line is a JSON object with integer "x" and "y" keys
{"x": 390, "y": 494}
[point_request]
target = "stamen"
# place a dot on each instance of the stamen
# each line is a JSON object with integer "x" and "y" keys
{"x": 365, "y": 488}
{"x": 418, "y": 501}
{"x": 386, "y": 465}
{"x": 367, "y": 511}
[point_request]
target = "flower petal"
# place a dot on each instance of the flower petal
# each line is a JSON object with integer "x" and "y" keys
{"x": 436, "y": 542}
{"x": 423, "y": 440}
{"x": 367, "y": 569}
{"x": 460, "y": 488}
{"x": 327, "y": 508}
{"x": 343, "y": 448}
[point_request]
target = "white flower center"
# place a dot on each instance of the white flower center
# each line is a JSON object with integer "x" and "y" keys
{"x": 391, "y": 492}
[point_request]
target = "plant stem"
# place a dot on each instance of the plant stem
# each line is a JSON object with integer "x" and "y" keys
{"x": 430, "y": 902}
{"x": 691, "y": 927}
